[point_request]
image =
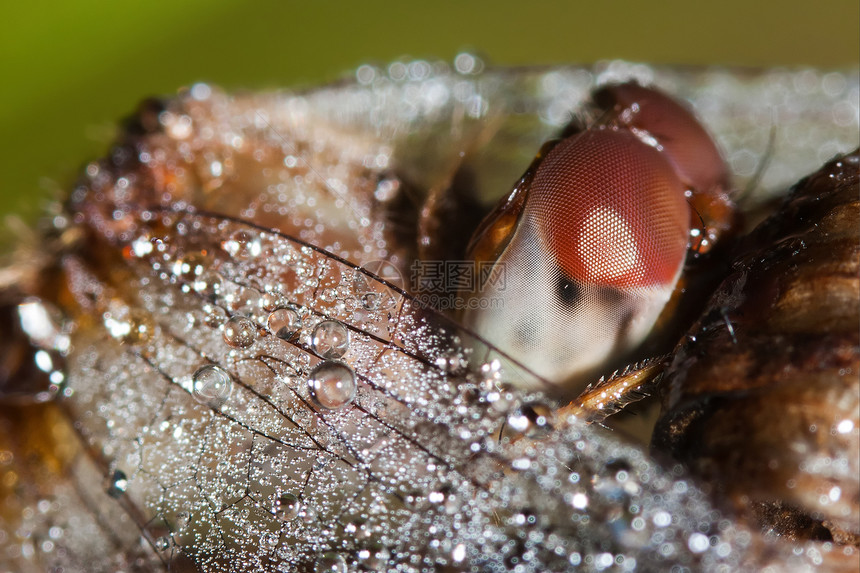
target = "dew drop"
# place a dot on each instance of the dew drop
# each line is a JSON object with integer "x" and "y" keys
{"x": 533, "y": 420}
{"x": 287, "y": 507}
{"x": 330, "y": 339}
{"x": 243, "y": 245}
{"x": 374, "y": 559}
{"x": 332, "y": 385}
{"x": 190, "y": 266}
{"x": 330, "y": 563}
{"x": 212, "y": 385}
{"x": 208, "y": 284}
{"x": 129, "y": 326}
{"x": 117, "y": 485}
{"x": 284, "y": 323}
{"x": 370, "y": 301}
{"x": 308, "y": 514}
{"x": 240, "y": 332}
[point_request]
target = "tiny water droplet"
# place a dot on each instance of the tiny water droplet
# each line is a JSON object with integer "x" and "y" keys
{"x": 212, "y": 385}
{"x": 332, "y": 385}
{"x": 330, "y": 563}
{"x": 284, "y": 323}
{"x": 330, "y": 339}
{"x": 240, "y": 332}
{"x": 287, "y": 507}
{"x": 162, "y": 543}
{"x": 243, "y": 245}
{"x": 117, "y": 485}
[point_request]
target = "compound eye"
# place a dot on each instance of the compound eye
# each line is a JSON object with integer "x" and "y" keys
{"x": 674, "y": 127}
{"x": 611, "y": 210}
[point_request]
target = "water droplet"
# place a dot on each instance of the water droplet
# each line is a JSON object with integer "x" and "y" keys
{"x": 287, "y": 507}
{"x": 330, "y": 563}
{"x": 208, "y": 284}
{"x": 533, "y": 420}
{"x": 190, "y": 266}
{"x": 332, "y": 385}
{"x": 43, "y": 324}
{"x": 129, "y": 326}
{"x": 117, "y": 485}
{"x": 308, "y": 514}
{"x": 374, "y": 559}
{"x": 212, "y": 385}
{"x": 240, "y": 332}
{"x": 243, "y": 245}
{"x": 284, "y": 323}
{"x": 370, "y": 301}
{"x": 162, "y": 543}
{"x": 452, "y": 361}
{"x": 330, "y": 339}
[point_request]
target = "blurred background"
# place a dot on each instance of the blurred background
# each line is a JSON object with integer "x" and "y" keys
{"x": 70, "y": 70}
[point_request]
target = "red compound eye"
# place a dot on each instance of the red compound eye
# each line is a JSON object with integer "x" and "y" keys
{"x": 612, "y": 210}
{"x": 674, "y": 127}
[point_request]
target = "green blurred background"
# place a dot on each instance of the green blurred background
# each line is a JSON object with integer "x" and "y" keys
{"x": 71, "y": 69}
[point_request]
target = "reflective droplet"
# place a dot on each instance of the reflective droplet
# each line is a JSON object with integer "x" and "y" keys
{"x": 162, "y": 543}
{"x": 332, "y": 385}
{"x": 240, "y": 332}
{"x": 129, "y": 326}
{"x": 42, "y": 323}
{"x": 370, "y": 301}
{"x": 284, "y": 323}
{"x": 287, "y": 507}
{"x": 208, "y": 284}
{"x": 330, "y": 563}
{"x": 117, "y": 485}
{"x": 243, "y": 245}
{"x": 533, "y": 420}
{"x": 212, "y": 385}
{"x": 190, "y": 266}
{"x": 374, "y": 559}
{"x": 452, "y": 361}
{"x": 308, "y": 514}
{"x": 330, "y": 339}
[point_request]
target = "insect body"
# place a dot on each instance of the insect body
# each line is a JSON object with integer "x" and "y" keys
{"x": 594, "y": 237}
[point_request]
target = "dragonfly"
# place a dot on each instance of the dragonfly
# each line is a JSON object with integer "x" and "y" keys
{"x": 235, "y": 375}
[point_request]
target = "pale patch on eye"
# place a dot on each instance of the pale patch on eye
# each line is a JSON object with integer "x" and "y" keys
{"x": 607, "y": 245}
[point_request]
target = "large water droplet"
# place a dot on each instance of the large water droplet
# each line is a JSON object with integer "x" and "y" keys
{"x": 208, "y": 284}
{"x": 330, "y": 563}
{"x": 117, "y": 484}
{"x": 212, "y": 385}
{"x": 240, "y": 332}
{"x": 287, "y": 507}
{"x": 284, "y": 323}
{"x": 330, "y": 339}
{"x": 332, "y": 385}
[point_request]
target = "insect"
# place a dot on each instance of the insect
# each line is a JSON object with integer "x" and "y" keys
{"x": 595, "y": 235}
{"x": 238, "y": 391}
